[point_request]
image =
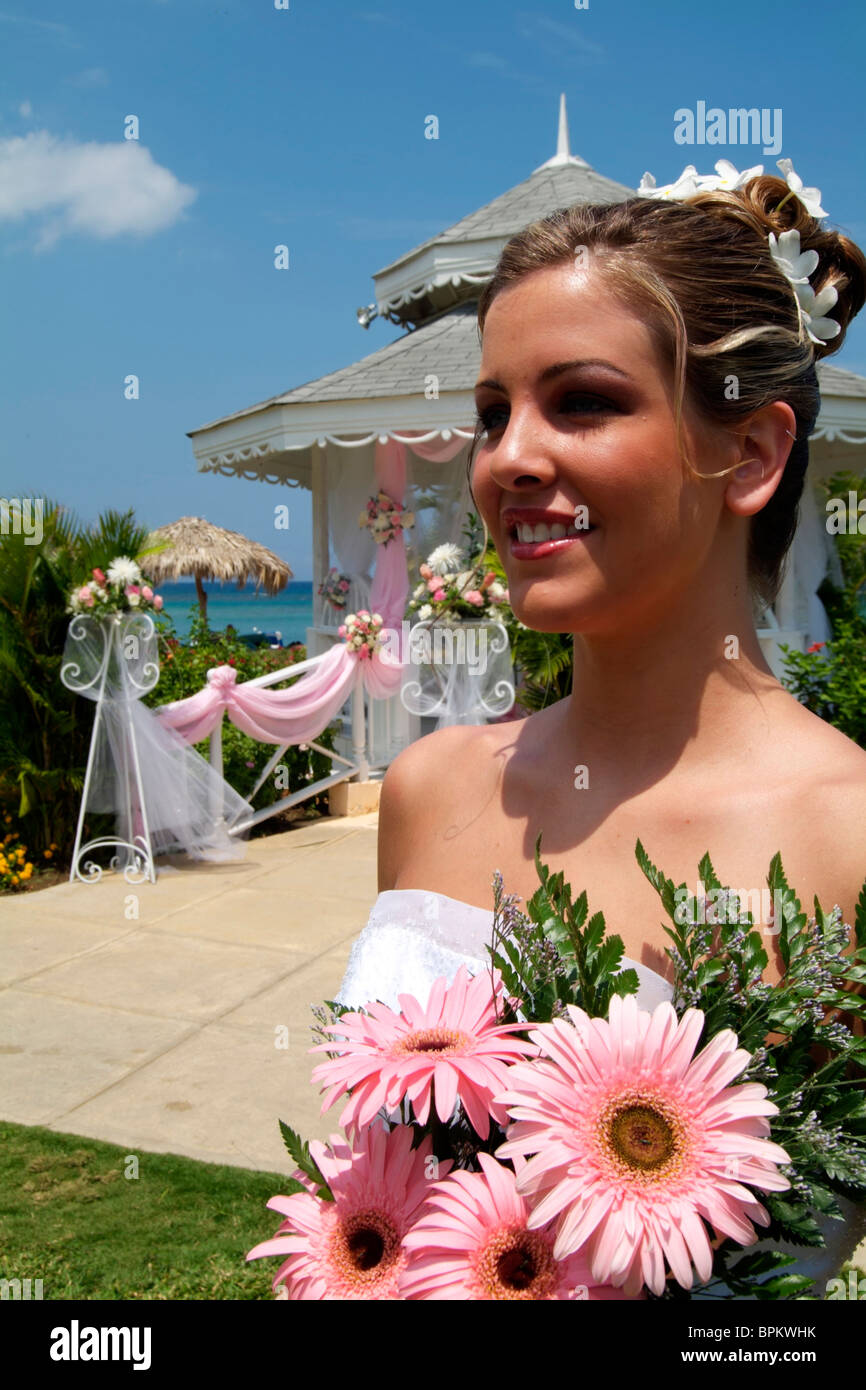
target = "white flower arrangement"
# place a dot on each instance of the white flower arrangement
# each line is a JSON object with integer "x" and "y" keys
{"x": 123, "y": 571}
{"x": 120, "y": 589}
{"x": 385, "y": 519}
{"x": 445, "y": 557}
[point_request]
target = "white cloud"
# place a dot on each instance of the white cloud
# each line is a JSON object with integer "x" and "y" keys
{"x": 99, "y": 190}
{"x": 25, "y": 109}
{"x": 90, "y": 77}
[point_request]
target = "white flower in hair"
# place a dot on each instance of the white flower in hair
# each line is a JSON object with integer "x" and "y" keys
{"x": 813, "y": 308}
{"x": 685, "y": 186}
{"x": 809, "y": 197}
{"x": 727, "y": 177}
{"x": 797, "y": 265}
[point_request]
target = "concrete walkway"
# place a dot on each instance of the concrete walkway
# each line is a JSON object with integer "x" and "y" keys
{"x": 184, "y": 1029}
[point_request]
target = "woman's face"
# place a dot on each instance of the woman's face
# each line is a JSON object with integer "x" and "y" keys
{"x": 578, "y": 411}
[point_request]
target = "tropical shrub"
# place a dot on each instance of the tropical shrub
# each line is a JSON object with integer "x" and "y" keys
{"x": 830, "y": 678}
{"x": 45, "y": 729}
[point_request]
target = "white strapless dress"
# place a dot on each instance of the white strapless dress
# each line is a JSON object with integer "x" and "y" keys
{"x": 414, "y": 936}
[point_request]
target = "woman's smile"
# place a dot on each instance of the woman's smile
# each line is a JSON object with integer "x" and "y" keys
{"x": 534, "y": 532}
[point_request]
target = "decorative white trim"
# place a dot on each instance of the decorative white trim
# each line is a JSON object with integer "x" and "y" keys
{"x": 227, "y": 463}
{"x": 832, "y": 432}
{"x": 466, "y": 277}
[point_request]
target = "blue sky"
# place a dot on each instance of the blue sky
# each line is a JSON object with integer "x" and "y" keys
{"x": 306, "y": 127}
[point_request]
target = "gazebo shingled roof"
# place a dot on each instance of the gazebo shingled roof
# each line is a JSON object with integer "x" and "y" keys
{"x": 436, "y": 286}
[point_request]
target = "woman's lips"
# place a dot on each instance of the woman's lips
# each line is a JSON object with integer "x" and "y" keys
{"x": 536, "y": 550}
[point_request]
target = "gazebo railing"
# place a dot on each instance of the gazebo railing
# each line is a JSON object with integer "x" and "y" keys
{"x": 357, "y": 767}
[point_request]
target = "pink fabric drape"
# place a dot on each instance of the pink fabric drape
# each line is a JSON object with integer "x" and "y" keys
{"x": 301, "y": 712}
{"x": 295, "y": 715}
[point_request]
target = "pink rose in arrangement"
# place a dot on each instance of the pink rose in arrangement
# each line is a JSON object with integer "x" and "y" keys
{"x": 85, "y": 596}
{"x": 146, "y": 592}
{"x": 352, "y": 1247}
{"x": 473, "y": 1242}
{"x": 342, "y": 629}
{"x": 425, "y": 571}
{"x": 100, "y": 578}
{"x": 157, "y": 602}
{"x": 435, "y": 582}
{"x": 633, "y": 1140}
{"x": 488, "y": 579}
{"x": 132, "y": 589}
{"x": 452, "y": 1050}
{"x": 473, "y": 596}
{"x": 439, "y": 594}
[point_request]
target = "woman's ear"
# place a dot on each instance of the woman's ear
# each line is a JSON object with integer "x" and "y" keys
{"x": 762, "y": 443}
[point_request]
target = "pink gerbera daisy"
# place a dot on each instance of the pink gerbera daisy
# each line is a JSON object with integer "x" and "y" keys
{"x": 637, "y": 1142}
{"x": 472, "y": 1242}
{"x": 453, "y": 1049}
{"x": 351, "y": 1248}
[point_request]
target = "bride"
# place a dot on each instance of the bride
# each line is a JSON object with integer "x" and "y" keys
{"x": 647, "y": 368}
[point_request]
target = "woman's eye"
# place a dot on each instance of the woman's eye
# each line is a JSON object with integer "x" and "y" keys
{"x": 580, "y": 402}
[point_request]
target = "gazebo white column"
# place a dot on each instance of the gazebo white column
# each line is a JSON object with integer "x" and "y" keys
{"x": 320, "y": 525}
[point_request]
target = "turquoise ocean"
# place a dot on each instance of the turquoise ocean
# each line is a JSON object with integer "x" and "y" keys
{"x": 290, "y": 613}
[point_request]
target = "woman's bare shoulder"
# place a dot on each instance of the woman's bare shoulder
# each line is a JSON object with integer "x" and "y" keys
{"x": 424, "y": 782}
{"x": 828, "y": 809}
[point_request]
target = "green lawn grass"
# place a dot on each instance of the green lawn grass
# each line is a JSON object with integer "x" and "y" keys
{"x": 180, "y": 1230}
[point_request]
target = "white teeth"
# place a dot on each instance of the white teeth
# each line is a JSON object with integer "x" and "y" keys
{"x": 557, "y": 531}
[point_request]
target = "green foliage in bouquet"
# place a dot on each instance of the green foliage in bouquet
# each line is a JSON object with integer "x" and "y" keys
{"x": 555, "y": 956}
{"x": 812, "y": 1063}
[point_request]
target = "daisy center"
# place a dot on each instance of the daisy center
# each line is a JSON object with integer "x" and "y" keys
{"x": 365, "y": 1246}
{"x": 434, "y": 1040}
{"x": 516, "y": 1264}
{"x": 642, "y": 1136}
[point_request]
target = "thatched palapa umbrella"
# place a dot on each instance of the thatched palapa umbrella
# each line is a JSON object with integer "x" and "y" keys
{"x": 197, "y": 547}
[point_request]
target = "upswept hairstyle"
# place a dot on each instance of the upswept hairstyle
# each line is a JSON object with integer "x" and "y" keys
{"x": 719, "y": 307}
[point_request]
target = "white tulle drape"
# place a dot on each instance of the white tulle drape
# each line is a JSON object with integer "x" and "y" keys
{"x": 460, "y": 674}
{"x": 812, "y": 549}
{"x": 159, "y": 788}
{"x": 438, "y": 494}
{"x": 350, "y": 483}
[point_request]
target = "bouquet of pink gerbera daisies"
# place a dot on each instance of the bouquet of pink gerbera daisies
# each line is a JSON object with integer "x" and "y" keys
{"x": 533, "y": 1134}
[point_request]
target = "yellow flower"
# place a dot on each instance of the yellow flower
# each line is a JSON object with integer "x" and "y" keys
{"x": 52, "y": 845}
{"x": 47, "y": 853}
{"x": 15, "y": 880}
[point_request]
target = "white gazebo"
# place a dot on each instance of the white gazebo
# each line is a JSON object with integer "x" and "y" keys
{"x": 323, "y": 435}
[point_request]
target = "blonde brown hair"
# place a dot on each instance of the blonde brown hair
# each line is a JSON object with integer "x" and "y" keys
{"x": 720, "y": 309}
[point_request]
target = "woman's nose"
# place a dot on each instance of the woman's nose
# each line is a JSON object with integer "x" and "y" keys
{"x": 521, "y": 450}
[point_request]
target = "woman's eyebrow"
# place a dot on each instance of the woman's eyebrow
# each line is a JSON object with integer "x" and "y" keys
{"x": 557, "y": 369}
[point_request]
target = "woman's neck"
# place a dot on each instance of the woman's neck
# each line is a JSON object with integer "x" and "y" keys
{"x": 683, "y": 690}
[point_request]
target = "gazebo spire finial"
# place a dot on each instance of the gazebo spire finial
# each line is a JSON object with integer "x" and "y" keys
{"x": 563, "y": 153}
{"x": 562, "y": 149}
